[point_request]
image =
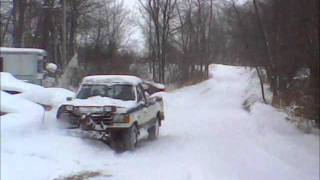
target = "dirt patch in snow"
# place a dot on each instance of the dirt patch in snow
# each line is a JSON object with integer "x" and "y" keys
{"x": 84, "y": 175}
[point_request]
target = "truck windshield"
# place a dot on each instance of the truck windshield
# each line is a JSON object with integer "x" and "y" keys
{"x": 118, "y": 91}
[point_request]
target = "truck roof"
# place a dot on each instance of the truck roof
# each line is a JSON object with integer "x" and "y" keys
{"x": 107, "y": 79}
{"x": 9, "y": 50}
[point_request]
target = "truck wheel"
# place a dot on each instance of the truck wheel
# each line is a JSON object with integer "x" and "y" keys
{"x": 130, "y": 138}
{"x": 153, "y": 132}
{"x": 116, "y": 141}
{"x": 59, "y": 112}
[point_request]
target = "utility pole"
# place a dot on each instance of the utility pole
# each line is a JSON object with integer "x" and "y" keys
{"x": 64, "y": 34}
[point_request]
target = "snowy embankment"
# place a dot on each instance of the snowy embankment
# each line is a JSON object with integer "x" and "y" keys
{"x": 18, "y": 121}
{"x": 206, "y": 135}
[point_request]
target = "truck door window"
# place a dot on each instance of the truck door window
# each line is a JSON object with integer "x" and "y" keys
{"x": 141, "y": 96}
{"x": 118, "y": 91}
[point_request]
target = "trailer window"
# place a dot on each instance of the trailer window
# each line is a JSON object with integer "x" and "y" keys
{"x": 1, "y": 64}
{"x": 40, "y": 66}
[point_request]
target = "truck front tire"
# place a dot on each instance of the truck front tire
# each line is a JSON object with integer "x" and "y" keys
{"x": 131, "y": 137}
{"x": 125, "y": 139}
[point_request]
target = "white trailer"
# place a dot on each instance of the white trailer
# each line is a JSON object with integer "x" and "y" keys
{"x": 24, "y": 63}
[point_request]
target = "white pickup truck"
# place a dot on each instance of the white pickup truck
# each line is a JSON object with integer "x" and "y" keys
{"x": 115, "y": 108}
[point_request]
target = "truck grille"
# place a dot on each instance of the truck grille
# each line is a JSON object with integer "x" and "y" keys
{"x": 105, "y": 119}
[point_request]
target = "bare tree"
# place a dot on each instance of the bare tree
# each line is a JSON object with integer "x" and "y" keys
{"x": 245, "y": 38}
{"x": 161, "y": 13}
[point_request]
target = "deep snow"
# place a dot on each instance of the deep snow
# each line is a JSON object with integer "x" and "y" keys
{"x": 19, "y": 120}
{"x": 206, "y": 135}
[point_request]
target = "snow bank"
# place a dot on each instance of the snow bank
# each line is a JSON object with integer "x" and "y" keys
{"x": 9, "y": 82}
{"x": 253, "y": 95}
{"x": 278, "y": 136}
{"x": 271, "y": 131}
{"x": 58, "y": 95}
{"x": 253, "y": 89}
{"x": 33, "y": 92}
{"x": 22, "y": 115}
{"x": 29, "y": 91}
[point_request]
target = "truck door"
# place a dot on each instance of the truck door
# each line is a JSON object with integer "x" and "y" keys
{"x": 151, "y": 105}
{"x": 144, "y": 115}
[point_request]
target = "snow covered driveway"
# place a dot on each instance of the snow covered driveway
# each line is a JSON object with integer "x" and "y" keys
{"x": 206, "y": 135}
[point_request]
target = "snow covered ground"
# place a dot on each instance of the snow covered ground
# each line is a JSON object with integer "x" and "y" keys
{"x": 206, "y": 135}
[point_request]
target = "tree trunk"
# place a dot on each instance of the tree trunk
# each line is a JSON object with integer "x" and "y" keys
{"x": 247, "y": 45}
{"x": 5, "y": 29}
{"x": 19, "y": 29}
{"x": 261, "y": 84}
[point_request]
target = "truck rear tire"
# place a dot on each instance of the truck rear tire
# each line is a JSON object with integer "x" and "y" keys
{"x": 153, "y": 132}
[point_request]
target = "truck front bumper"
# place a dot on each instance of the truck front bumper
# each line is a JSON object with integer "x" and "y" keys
{"x": 90, "y": 123}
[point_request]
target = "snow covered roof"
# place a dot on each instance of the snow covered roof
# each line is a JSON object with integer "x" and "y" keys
{"x": 105, "y": 79}
{"x": 8, "y": 50}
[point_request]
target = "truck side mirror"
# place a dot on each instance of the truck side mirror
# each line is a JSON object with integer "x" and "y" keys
{"x": 69, "y": 98}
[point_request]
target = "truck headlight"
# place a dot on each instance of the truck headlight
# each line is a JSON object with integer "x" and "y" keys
{"x": 122, "y": 118}
{"x": 107, "y": 108}
{"x": 69, "y": 107}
